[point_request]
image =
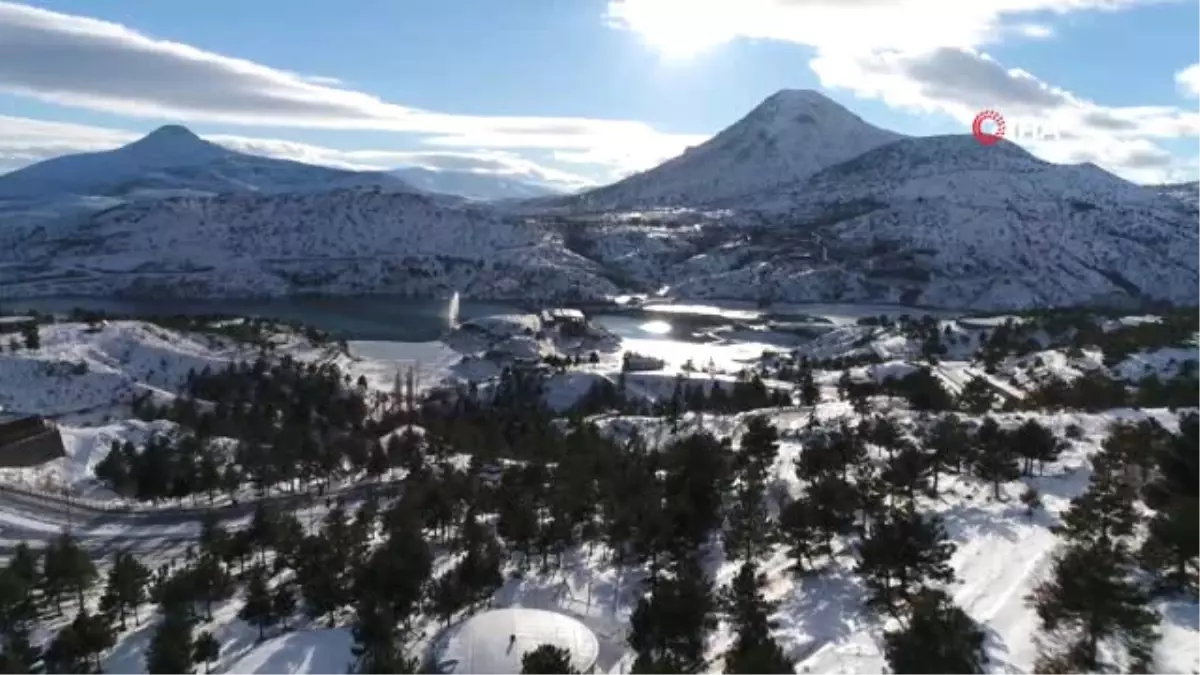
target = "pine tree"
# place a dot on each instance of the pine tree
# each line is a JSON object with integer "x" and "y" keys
{"x": 937, "y": 638}
{"x": 1172, "y": 547}
{"x": 66, "y": 567}
{"x": 259, "y": 609}
{"x": 19, "y": 654}
{"x": 976, "y": 396}
{"x": 1093, "y": 593}
{"x": 949, "y": 442}
{"x": 378, "y": 642}
{"x": 171, "y": 647}
{"x": 995, "y": 460}
{"x": 95, "y": 635}
{"x": 754, "y": 650}
{"x": 547, "y": 659}
{"x": 810, "y": 393}
{"x": 206, "y": 650}
{"x": 283, "y": 604}
{"x": 211, "y": 582}
{"x": 24, "y": 563}
{"x": 903, "y": 553}
{"x": 1092, "y": 596}
{"x": 668, "y": 628}
{"x": 65, "y": 653}
{"x": 18, "y": 607}
{"x": 1036, "y": 444}
{"x": 126, "y": 589}
{"x": 748, "y": 531}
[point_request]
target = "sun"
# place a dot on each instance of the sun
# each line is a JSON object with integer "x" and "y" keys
{"x": 678, "y": 30}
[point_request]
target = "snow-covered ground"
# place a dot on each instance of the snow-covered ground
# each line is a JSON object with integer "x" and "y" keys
{"x": 85, "y": 377}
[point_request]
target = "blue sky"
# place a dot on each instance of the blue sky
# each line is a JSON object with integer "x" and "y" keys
{"x": 589, "y": 90}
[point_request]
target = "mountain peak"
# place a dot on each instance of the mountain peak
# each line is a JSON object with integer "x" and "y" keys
{"x": 789, "y": 136}
{"x": 171, "y": 136}
{"x": 173, "y": 131}
{"x": 173, "y": 145}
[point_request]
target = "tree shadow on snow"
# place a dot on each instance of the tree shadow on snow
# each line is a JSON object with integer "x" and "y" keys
{"x": 824, "y": 607}
{"x": 969, "y": 522}
{"x": 128, "y": 656}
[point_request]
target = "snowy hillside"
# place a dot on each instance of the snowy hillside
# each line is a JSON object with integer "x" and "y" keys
{"x": 172, "y": 161}
{"x": 938, "y": 221}
{"x": 997, "y": 530}
{"x": 789, "y": 136}
{"x": 482, "y": 187}
{"x": 344, "y": 241}
{"x": 1188, "y": 193}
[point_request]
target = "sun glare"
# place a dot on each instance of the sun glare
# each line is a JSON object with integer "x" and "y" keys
{"x": 676, "y": 29}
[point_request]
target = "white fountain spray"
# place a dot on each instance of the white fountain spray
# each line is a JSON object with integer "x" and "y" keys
{"x": 452, "y": 310}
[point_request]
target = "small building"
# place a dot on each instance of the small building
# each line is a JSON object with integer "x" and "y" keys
{"x": 29, "y": 441}
{"x": 496, "y": 640}
{"x": 562, "y": 316}
{"x": 15, "y": 324}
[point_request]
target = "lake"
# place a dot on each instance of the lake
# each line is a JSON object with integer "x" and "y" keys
{"x": 403, "y": 319}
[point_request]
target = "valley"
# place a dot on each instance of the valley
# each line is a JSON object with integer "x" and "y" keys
{"x": 809, "y": 397}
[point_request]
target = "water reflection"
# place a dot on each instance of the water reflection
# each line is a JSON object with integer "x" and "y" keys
{"x": 656, "y": 327}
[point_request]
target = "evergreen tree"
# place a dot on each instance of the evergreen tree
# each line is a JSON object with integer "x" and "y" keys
{"x": 1172, "y": 547}
{"x": 66, "y": 652}
{"x": 126, "y": 589}
{"x": 95, "y": 635}
{"x": 283, "y": 604}
{"x": 748, "y": 531}
{"x": 19, "y": 654}
{"x": 66, "y": 567}
{"x": 1093, "y": 593}
{"x": 949, "y": 443}
{"x": 206, "y": 650}
{"x": 18, "y": 607}
{"x": 1036, "y": 444}
{"x": 1092, "y": 596}
{"x": 211, "y": 582}
{"x": 810, "y": 393}
{"x": 378, "y": 642}
{"x": 668, "y": 629}
{"x": 995, "y": 460}
{"x": 259, "y": 610}
{"x": 976, "y": 396}
{"x": 24, "y": 563}
{"x": 937, "y": 638}
{"x": 754, "y": 650}
{"x": 171, "y": 647}
{"x": 547, "y": 660}
{"x": 903, "y": 553}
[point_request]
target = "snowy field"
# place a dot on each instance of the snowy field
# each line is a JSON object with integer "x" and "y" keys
{"x": 85, "y": 378}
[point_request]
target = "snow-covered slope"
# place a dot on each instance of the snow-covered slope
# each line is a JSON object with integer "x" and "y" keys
{"x": 1188, "y": 193}
{"x": 476, "y": 186}
{"x": 939, "y": 221}
{"x": 172, "y": 161}
{"x": 789, "y": 136}
{"x": 343, "y": 241}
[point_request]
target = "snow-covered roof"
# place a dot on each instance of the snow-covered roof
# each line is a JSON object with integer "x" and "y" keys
{"x": 505, "y": 324}
{"x": 484, "y": 644}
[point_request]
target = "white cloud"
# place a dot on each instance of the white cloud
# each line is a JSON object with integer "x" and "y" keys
{"x": 25, "y": 141}
{"x": 926, "y": 56}
{"x": 84, "y": 62}
{"x": 1188, "y": 80}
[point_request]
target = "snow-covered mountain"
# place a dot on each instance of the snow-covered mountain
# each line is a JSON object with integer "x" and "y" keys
{"x": 789, "y": 136}
{"x": 939, "y": 221}
{"x": 344, "y": 241}
{"x": 483, "y": 187}
{"x": 173, "y": 161}
{"x": 1189, "y": 193}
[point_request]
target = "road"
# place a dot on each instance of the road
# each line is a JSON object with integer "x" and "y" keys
{"x": 150, "y": 533}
